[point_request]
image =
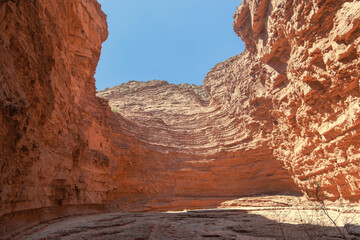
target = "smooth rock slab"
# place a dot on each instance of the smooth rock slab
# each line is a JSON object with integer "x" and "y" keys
{"x": 263, "y": 220}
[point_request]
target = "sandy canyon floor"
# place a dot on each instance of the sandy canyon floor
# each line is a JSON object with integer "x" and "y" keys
{"x": 264, "y": 217}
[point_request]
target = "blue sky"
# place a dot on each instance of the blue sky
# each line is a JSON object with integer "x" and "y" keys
{"x": 174, "y": 40}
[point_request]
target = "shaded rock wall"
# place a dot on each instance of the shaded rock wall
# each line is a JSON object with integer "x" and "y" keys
{"x": 54, "y": 147}
{"x": 278, "y": 117}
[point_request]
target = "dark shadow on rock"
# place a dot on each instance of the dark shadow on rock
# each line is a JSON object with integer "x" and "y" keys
{"x": 200, "y": 224}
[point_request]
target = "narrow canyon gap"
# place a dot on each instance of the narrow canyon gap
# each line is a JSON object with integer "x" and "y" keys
{"x": 275, "y": 119}
{"x": 178, "y": 41}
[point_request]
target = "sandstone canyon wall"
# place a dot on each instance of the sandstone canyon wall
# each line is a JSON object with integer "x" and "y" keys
{"x": 305, "y": 58}
{"x": 289, "y": 102}
{"x": 190, "y": 147}
{"x": 54, "y": 141}
{"x": 274, "y": 119}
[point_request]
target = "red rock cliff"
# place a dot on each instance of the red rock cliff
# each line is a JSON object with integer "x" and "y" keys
{"x": 283, "y": 111}
{"x": 54, "y": 149}
{"x": 305, "y": 58}
{"x": 278, "y": 117}
{"x": 190, "y": 146}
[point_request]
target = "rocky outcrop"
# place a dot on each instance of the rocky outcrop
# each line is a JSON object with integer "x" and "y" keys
{"x": 306, "y": 52}
{"x": 245, "y": 218}
{"x": 289, "y": 102}
{"x": 62, "y": 148}
{"x": 54, "y": 148}
{"x": 282, "y": 117}
{"x": 190, "y": 145}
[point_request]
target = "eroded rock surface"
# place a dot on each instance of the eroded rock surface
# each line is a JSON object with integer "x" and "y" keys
{"x": 289, "y": 102}
{"x": 53, "y": 137}
{"x": 305, "y": 57}
{"x": 189, "y": 148}
{"x": 260, "y": 218}
{"x": 282, "y": 117}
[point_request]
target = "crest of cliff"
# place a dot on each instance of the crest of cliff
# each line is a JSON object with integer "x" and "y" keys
{"x": 278, "y": 118}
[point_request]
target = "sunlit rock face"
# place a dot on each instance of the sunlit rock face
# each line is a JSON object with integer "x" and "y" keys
{"x": 194, "y": 145}
{"x": 305, "y": 59}
{"x": 289, "y": 102}
{"x": 54, "y": 149}
{"x": 282, "y": 117}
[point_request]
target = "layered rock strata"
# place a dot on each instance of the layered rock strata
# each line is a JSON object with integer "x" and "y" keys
{"x": 54, "y": 147}
{"x": 191, "y": 147}
{"x": 279, "y": 118}
{"x": 290, "y": 101}
{"x": 305, "y": 58}
{"x": 62, "y": 147}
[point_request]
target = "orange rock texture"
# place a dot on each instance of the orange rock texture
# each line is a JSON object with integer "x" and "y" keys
{"x": 282, "y": 117}
{"x": 305, "y": 63}
{"x": 289, "y": 102}
{"x": 53, "y": 137}
{"x": 190, "y": 145}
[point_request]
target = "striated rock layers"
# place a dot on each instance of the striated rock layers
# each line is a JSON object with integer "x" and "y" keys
{"x": 306, "y": 67}
{"x": 284, "y": 111}
{"x": 282, "y": 117}
{"x": 54, "y": 147}
{"x": 191, "y": 146}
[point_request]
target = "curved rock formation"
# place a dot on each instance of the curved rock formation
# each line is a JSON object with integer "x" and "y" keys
{"x": 290, "y": 100}
{"x": 279, "y": 118}
{"x": 188, "y": 146}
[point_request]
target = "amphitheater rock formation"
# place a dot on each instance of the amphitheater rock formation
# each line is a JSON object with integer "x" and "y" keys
{"x": 282, "y": 117}
{"x": 188, "y": 147}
